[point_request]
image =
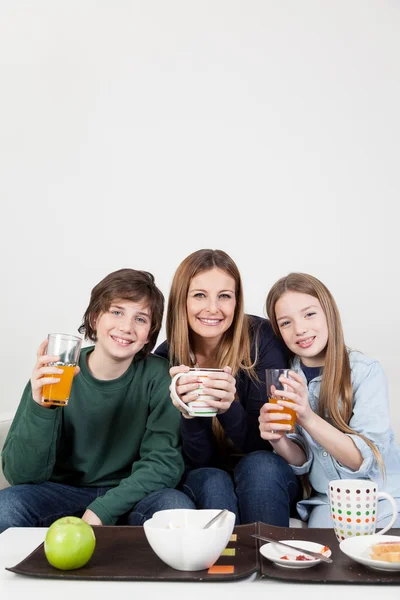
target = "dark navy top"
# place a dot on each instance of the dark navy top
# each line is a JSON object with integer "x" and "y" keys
{"x": 240, "y": 421}
{"x": 311, "y": 372}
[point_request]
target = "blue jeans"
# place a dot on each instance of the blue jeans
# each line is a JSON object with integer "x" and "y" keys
{"x": 39, "y": 505}
{"x": 263, "y": 488}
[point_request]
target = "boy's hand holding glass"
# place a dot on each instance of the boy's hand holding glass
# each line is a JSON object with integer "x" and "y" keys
{"x": 43, "y": 373}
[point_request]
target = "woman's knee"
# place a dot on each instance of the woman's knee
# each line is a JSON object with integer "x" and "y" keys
{"x": 207, "y": 479}
{"x": 263, "y": 464}
{"x": 210, "y": 488}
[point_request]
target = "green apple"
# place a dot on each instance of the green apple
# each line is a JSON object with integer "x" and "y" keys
{"x": 69, "y": 543}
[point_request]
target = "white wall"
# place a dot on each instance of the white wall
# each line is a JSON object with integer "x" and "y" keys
{"x": 135, "y": 132}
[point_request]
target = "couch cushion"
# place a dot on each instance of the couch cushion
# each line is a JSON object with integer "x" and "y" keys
{"x": 5, "y": 422}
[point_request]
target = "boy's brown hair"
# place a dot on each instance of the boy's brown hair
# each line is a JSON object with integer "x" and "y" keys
{"x": 125, "y": 284}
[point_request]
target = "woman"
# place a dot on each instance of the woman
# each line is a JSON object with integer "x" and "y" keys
{"x": 228, "y": 464}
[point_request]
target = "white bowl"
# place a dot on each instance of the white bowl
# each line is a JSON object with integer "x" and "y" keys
{"x": 177, "y": 537}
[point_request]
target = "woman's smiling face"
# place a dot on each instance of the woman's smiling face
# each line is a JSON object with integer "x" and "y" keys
{"x": 211, "y": 303}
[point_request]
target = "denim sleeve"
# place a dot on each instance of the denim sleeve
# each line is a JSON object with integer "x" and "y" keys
{"x": 370, "y": 418}
{"x": 300, "y": 440}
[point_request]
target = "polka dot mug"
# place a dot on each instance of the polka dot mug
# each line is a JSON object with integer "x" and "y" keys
{"x": 354, "y": 507}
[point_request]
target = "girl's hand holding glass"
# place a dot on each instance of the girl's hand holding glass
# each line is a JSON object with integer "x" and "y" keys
{"x": 297, "y": 392}
{"x": 273, "y": 423}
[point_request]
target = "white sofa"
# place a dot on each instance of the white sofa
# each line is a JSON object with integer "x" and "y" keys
{"x": 5, "y": 422}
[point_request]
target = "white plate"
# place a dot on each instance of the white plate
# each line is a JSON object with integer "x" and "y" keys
{"x": 274, "y": 552}
{"x": 358, "y": 548}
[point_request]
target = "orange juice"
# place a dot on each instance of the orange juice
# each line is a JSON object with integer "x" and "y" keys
{"x": 285, "y": 411}
{"x": 58, "y": 393}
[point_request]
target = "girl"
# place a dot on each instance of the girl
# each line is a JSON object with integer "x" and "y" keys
{"x": 340, "y": 398}
{"x": 228, "y": 464}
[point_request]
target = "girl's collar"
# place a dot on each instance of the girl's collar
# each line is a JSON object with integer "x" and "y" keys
{"x": 296, "y": 366}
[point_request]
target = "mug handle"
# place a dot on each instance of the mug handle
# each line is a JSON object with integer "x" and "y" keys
{"x": 395, "y": 511}
{"x": 175, "y": 396}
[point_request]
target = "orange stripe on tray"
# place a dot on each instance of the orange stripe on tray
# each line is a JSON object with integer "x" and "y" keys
{"x": 221, "y": 569}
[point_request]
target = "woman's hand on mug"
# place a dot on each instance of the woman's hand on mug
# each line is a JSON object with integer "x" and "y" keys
{"x": 222, "y": 385}
{"x": 273, "y": 423}
{"x": 184, "y": 388}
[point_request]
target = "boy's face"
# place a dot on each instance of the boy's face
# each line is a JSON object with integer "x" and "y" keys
{"x": 123, "y": 330}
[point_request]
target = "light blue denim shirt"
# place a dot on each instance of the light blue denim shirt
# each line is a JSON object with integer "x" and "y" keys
{"x": 370, "y": 417}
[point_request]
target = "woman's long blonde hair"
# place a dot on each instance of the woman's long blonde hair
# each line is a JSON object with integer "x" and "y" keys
{"x": 234, "y": 348}
{"x": 336, "y": 394}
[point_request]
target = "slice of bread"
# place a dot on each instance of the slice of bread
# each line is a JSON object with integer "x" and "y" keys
{"x": 386, "y": 551}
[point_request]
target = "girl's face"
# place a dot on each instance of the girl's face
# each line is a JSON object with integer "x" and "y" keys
{"x": 211, "y": 303}
{"x": 303, "y": 326}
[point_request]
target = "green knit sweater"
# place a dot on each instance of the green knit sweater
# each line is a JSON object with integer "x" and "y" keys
{"x": 122, "y": 433}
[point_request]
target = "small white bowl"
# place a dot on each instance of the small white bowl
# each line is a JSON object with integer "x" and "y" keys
{"x": 178, "y": 538}
{"x": 275, "y": 553}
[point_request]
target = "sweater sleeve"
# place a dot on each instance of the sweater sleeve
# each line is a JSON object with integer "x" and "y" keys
{"x": 160, "y": 464}
{"x": 29, "y": 452}
{"x": 240, "y": 422}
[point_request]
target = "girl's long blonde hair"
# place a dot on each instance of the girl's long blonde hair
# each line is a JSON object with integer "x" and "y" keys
{"x": 336, "y": 394}
{"x": 234, "y": 348}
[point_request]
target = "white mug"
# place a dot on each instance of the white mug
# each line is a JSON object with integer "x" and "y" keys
{"x": 354, "y": 507}
{"x": 198, "y": 407}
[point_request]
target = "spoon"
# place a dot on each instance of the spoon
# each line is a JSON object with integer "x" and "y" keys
{"x": 221, "y": 513}
{"x": 314, "y": 554}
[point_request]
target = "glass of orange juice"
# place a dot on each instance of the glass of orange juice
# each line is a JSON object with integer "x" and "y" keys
{"x": 67, "y": 347}
{"x": 273, "y": 383}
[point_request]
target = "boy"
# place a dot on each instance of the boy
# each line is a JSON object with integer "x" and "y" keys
{"x": 113, "y": 451}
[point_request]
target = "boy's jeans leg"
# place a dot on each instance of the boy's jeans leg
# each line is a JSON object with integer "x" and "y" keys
{"x": 39, "y": 505}
{"x": 164, "y": 499}
{"x": 266, "y": 488}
